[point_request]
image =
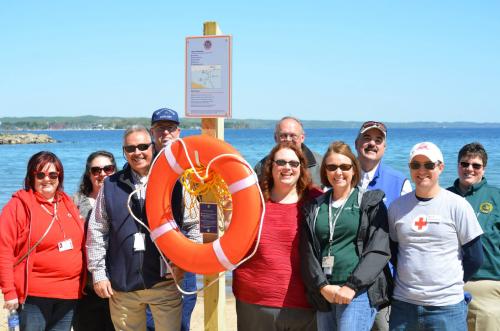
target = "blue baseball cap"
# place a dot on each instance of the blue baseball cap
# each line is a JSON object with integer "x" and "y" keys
{"x": 165, "y": 114}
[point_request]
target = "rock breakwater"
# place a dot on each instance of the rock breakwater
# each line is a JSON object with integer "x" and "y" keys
{"x": 25, "y": 138}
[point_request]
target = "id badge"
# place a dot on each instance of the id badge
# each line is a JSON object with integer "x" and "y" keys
{"x": 327, "y": 264}
{"x": 65, "y": 245}
{"x": 139, "y": 242}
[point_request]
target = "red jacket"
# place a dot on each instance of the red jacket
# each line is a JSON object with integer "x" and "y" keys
{"x": 15, "y": 237}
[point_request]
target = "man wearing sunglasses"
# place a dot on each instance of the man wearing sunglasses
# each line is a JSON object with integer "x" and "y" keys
{"x": 370, "y": 145}
{"x": 164, "y": 128}
{"x": 290, "y": 129}
{"x": 124, "y": 262}
{"x": 436, "y": 249}
{"x": 484, "y": 285}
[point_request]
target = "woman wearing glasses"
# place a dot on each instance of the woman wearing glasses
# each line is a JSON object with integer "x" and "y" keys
{"x": 344, "y": 247}
{"x": 92, "y": 312}
{"x": 269, "y": 288}
{"x": 41, "y": 248}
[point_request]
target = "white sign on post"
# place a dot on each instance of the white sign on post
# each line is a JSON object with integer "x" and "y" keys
{"x": 208, "y": 76}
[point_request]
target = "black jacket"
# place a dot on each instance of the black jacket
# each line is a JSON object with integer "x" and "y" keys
{"x": 372, "y": 272}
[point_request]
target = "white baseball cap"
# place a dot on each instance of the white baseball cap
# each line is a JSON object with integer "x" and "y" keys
{"x": 427, "y": 149}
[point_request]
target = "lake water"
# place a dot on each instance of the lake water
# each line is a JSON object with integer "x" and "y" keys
{"x": 75, "y": 146}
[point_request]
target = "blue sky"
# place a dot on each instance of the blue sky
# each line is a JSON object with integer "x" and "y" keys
{"x": 333, "y": 60}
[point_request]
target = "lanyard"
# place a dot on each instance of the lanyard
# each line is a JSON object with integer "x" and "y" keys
{"x": 331, "y": 224}
{"x": 55, "y": 218}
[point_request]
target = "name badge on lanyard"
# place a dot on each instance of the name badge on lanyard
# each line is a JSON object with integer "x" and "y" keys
{"x": 327, "y": 264}
{"x": 139, "y": 242}
{"x": 328, "y": 261}
{"x": 65, "y": 245}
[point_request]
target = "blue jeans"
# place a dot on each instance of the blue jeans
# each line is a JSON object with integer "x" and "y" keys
{"x": 407, "y": 316}
{"x": 188, "y": 301}
{"x": 356, "y": 316}
{"x": 40, "y": 314}
{"x": 150, "y": 323}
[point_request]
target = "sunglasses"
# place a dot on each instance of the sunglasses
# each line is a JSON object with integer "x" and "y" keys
{"x": 132, "y": 148}
{"x": 282, "y": 163}
{"x": 476, "y": 166}
{"x": 41, "y": 175}
{"x": 334, "y": 167}
{"x": 426, "y": 165}
{"x": 108, "y": 170}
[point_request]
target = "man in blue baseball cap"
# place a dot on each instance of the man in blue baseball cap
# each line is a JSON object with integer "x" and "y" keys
{"x": 164, "y": 127}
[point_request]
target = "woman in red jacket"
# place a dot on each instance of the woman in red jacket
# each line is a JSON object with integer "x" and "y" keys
{"x": 41, "y": 248}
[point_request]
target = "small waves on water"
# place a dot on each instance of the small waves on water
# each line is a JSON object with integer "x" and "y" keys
{"x": 74, "y": 147}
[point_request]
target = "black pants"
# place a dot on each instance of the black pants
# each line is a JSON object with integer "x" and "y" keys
{"x": 261, "y": 318}
{"x": 92, "y": 314}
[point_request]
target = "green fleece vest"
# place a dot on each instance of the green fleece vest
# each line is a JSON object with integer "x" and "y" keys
{"x": 485, "y": 200}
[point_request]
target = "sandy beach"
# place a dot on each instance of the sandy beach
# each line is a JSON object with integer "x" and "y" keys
{"x": 197, "y": 321}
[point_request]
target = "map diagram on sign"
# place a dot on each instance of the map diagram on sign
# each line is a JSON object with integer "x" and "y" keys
{"x": 206, "y": 76}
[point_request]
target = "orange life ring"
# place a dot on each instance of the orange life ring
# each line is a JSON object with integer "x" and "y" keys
{"x": 229, "y": 249}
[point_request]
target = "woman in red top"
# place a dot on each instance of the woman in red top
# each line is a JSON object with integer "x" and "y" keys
{"x": 269, "y": 289}
{"x": 41, "y": 248}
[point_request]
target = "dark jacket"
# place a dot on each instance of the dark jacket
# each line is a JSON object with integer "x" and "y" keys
{"x": 129, "y": 270}
{"x": 372, "y": 272}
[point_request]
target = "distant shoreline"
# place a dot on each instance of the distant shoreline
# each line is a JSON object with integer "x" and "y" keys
{"x": 119, "y": 123}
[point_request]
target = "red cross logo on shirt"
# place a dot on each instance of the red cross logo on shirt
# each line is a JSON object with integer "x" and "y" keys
{"x": 420, "y": 224}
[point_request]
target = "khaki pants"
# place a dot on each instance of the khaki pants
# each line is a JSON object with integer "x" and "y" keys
{"x": 484, "y": 309}
{"x": 128, "y": 309}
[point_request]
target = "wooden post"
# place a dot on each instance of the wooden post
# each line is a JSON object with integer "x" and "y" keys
{"x": 215, "y": 295}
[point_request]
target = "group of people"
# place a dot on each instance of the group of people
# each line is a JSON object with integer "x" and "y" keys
{"x": 84, "y": 262}
{"x": 346, "y": 243}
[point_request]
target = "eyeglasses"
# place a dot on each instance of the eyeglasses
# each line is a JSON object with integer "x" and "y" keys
{"x": 163, "y": 128}
{"x": 334, "y": 167}
{"x": 108, "y": 170}
{"x": 52, "y": 175}
{"x": 132, "y": 148}
{"x": 288, "y": 136}
{"x": 375, "y": 124}
{"x": 282, "y": 163}
{"x": 427, "y": 165}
